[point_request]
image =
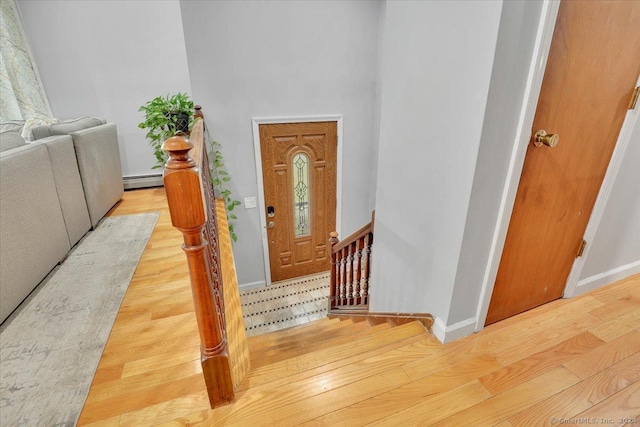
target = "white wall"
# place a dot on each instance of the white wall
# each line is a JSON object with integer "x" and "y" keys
{"x": 107, "y": 58}
{"x": 436, "y": 69}
{"x": 264, "y": 59}
{"x": 615, "y": 251}
{"x": 514, "y": 52}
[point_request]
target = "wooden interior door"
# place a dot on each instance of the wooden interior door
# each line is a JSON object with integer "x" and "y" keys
{"x": 591, "y": 72}
{"x": 299, "y": 174}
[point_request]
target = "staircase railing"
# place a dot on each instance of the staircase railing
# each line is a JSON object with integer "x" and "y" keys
{"x": 351, "y": 269}
{"x": 218, "y": 313}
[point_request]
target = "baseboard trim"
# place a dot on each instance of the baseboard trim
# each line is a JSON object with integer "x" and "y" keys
{"x": 142, "y": 181}
{"x": 594, "y": 282}
{"x": 446, "y": 334}
{"x": 252, "y": 285}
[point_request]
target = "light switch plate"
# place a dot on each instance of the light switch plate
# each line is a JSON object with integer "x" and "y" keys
{"x": 249, "y": 202}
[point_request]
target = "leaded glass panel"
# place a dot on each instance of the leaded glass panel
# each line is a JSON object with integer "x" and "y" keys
{"x": 301, "y": 217}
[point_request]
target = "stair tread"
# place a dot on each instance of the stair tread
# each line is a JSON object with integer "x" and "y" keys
{"x": 285, "y": 341}
{"x": 332, "y": 354}
{"x": 258, "y": 341}
{"x": 304, "y": 345}
{"x": 268, "y": 340}
{"x": 376, "y": 318}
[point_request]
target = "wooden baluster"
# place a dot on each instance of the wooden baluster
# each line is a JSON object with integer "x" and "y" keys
{"x": 184, "y": 196}
{"x": 333, "y": 240}
{"x": 359, "y": 246}
{"x": 339, "y": 277}
{"x": 343, "y": 273}
{"x": 367, "y": 269}
{"x": 352, "y": 253}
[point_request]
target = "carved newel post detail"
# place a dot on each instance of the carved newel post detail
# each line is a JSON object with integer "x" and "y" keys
{"x": 184, "y": 195}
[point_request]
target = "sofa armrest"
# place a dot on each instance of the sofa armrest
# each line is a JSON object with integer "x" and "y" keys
{"x": 33, "y": 237}
{"x": 100, "y": 169}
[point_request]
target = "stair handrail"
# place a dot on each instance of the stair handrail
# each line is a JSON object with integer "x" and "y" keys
{"x": 351, "y": 269}
{"x": 191, "y": 205}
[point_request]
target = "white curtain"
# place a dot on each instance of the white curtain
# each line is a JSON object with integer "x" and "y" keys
{"x": 22, "y": 96}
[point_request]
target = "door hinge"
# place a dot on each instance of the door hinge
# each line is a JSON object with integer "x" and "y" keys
{"x": 581, "y": 250}
{"x": 634, "y": 98}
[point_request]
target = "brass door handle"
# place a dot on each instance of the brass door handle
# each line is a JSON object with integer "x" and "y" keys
{"x": 543, "y": 138}
{"x": 270, "y": 224}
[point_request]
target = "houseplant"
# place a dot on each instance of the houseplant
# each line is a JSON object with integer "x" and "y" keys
{"x": 164, "y": 117}
{"x": 220, "y": 179}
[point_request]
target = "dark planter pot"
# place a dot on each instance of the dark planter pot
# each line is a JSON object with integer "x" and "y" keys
{"x": 181, "y": 121}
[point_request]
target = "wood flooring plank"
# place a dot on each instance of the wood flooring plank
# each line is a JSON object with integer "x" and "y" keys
{"x": 439, "y": 407}
{"x": 584, "y": 303}
{"x": 140, "y": 382}
{"x": 411, "y": 394}
{"x": 185, "y": 335}
{"x": 508, "y": 344}
{"x": 165, "y": 411}
{"x": 107, "y": 373}
{"x": 123, "y": 333}
{"x": 612, "y": 329}
{"x": 499, "y": 408}
{"x": 617, "y": 308}
{"x": 539, "y": 363}
{"x": 161, "y": 361}
{"x": 582, "y": 395}
{"x": 606, "y": 355}
{"x": 109, "y": 422}
{"x": 617, "y": 409}
{"x": 622, "y": 287}
{"x": 121, "y": 404}
{"x": 333, "y": 399}
{"x": 546, "y": 338}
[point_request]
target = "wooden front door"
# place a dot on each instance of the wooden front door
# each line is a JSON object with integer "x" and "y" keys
{"x": 591, "y": 72}
{"x": 299, "y": 174}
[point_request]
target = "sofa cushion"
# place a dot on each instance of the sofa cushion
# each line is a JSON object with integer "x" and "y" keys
{"x": 10, "y": 139}
{"x": 30, "y": 124}
{"x": 68, "y": 126}
{"x": 39, "y": 132}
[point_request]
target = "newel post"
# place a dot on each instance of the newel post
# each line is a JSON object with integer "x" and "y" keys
{"x": 333, "y": 240}
{"x": 197, "y": 113}
{"x": 184, "y": 196}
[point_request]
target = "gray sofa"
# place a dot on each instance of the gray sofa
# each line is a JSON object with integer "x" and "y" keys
{"x": 52, "y": 191}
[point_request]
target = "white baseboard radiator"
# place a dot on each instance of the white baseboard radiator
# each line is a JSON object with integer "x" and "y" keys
{"x": 142, "y": 181}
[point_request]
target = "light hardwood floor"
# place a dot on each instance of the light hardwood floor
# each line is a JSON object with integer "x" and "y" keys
{"x": 571, "y": 360}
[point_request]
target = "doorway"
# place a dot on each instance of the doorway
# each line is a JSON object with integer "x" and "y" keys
{"x": 298, "y": 169}
{"x": 590, "y": 76}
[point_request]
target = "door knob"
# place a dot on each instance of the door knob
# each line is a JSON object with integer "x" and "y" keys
{"x": 543, "y": 138}
{"x": 270, "y": 224}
